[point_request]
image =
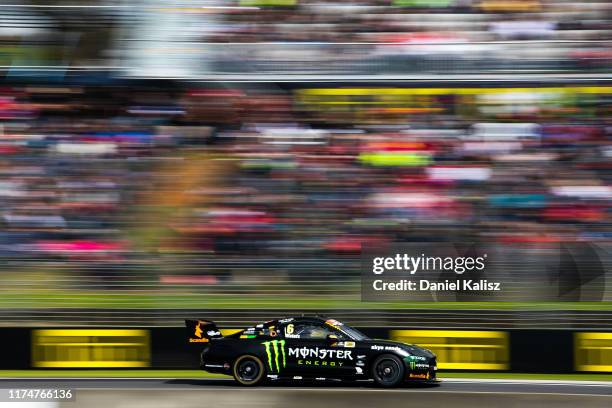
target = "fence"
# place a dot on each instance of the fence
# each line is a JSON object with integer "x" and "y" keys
{"x": 543, "y": 351}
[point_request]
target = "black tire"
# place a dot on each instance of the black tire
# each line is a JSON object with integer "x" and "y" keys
{"x": 388, "y": 371}
{"x": 249, "y": 370}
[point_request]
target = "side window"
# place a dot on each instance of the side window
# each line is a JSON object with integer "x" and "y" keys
{"x": 253, "y": 332}
{"x": 268, "y": 331}
{"x": 309, "y": 331}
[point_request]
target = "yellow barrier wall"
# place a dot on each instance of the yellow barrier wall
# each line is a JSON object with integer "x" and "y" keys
{"x": 593, "y": 351}
{"x": 90, "y": 348}
{"x": 462, "y": 350}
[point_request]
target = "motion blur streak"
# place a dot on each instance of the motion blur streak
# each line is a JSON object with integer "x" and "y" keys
{"x": 150, "y": 197}
{"x": 90, "y": 348}
{"x": 137, "y": 184}
{"x": 592, "y": 351}
{"x": 187, "y": 38}
{"x": 466, "y": 350}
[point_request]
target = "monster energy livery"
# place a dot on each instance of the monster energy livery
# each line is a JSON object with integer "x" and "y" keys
{"x": 308, "y": 348}
{"x": 275, "y": 346}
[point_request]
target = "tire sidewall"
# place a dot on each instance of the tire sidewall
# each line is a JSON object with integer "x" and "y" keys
{"x": 401, "y": 374}
{"x": 262, "y": 370}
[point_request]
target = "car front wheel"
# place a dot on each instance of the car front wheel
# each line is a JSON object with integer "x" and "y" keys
{"x": 388, "y": 371}
{"x": 249, "y": 370}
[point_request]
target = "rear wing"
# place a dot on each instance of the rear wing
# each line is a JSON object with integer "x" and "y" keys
{"x": 201, "y": 331}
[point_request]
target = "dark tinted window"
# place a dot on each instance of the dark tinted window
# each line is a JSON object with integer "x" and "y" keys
{"x": 310, "y": 331}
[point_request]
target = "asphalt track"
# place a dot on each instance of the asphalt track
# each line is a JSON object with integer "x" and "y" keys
{"x": 221, "y": 393}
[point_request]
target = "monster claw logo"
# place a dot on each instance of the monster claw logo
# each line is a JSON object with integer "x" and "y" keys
{"x": 273, "y": 347}
{"x": 411, "y": 362}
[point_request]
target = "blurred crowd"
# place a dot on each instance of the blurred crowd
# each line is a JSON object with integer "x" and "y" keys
{"x": 126, "y": 151}
{"x": 95, "y": 173}
{"x": 387, "y": 20}
{"x": 402, "y": 36}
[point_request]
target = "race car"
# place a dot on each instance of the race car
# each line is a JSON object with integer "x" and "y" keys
{"x": 303, "y": 348}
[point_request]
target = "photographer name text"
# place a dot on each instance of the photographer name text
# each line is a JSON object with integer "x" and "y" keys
{"x": 468, "y": 285}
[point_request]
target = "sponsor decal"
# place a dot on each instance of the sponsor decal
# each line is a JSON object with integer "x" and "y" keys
{"x": 277, "y": 355}
{"x": 248, "y": 336}
{"x": 198, "y": 333}
{"x": 320, "y": 353}
{"x": 198, "y": 329}
{"x": 424, "y": 376}
{"x": 290, "y": 332}
{"x": 349, "y": 344}
{"x": 412, "y": 362}
{"x": 275, "y": 352}
{"x": 320, "y": 357}
{"x": 320, "y": 363}
{"x": 387, "y": 348}
{"x": 416, "y": 358}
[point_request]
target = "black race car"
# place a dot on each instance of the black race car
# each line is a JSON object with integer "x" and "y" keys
{"x": 309, "y": 348}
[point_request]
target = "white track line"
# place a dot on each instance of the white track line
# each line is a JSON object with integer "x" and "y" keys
{"x": 527, "y": 381}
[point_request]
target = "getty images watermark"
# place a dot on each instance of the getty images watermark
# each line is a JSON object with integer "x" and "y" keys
{"x": 408, "y": 264}
{"x": 492, "y": 271}
{"x": 423, "y": 271}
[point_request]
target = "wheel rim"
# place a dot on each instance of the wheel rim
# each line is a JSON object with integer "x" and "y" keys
{"x": 248, "y": 370}
{"x": 388, "y": 371}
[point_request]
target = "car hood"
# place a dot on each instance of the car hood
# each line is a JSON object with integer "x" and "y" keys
{"x": 410, "y": 348}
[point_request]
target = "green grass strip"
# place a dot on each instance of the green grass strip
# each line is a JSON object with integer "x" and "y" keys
{"x": 134, "y": 299}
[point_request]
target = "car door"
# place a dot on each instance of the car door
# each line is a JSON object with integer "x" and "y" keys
{"x": 313, "y": 352}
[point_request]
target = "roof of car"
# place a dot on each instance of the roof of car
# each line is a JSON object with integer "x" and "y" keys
{"x": 309, "y": 318}
{"x": 317, "y": 319}
{"x": 313, "y": 319}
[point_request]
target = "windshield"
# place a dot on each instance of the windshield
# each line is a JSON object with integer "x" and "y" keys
{"x": 352, "y": 333}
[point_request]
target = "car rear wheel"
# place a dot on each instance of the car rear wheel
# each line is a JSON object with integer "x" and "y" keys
{"x": 388, "y": 370}
{"x": 249, "y": 370}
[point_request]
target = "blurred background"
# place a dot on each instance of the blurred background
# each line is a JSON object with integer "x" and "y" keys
{"x": 229, "y": 159}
